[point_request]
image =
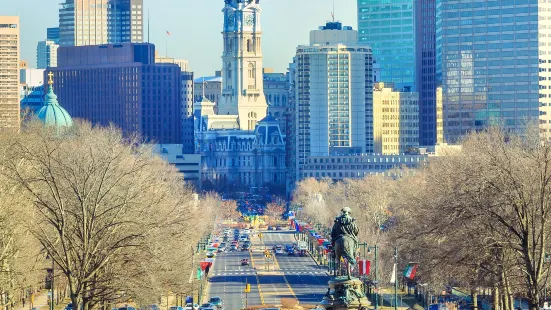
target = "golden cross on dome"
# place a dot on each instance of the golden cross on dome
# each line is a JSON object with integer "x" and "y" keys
{"x": 51, "y": 75}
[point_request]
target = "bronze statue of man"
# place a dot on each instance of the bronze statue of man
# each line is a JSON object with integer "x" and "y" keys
{"x": 344, "y": 238}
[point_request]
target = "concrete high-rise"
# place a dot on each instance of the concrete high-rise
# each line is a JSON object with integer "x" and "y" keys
{"x": 276, "y": 90}
{"x": 46, "y": 54}
{"x": 188, "y": 133}
{"x": 121, "y": 84}
{"x": 425, "y": 73}
{"x": 9, "y": 72}
{"x": 395, "y": 120}
{"x": 94, "y": 22}
{"x": 500, "y": 73}
{"x": 243, "y": 93}
{"x": 334, "y": 95}
{"x": 388, "y": 27}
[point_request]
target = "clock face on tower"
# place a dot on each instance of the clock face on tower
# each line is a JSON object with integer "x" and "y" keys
{"x": 230, "y": 20}
{"x": 249, "y": 20}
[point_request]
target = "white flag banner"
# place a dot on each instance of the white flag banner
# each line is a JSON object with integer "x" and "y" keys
{"x": 393, "y": 276}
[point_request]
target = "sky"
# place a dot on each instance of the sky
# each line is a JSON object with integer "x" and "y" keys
{"x": 196, "y": 27}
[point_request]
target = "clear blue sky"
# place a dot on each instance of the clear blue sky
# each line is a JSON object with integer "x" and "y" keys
{"x": 196, "y": 25}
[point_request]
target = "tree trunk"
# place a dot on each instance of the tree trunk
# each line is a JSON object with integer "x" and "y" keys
{"x": 474, "y": 298}
{"x": 496, "y": 298}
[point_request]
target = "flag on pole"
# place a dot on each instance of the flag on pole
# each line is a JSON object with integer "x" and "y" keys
{"x": 168, "y": 33}
{"x": 411, "y": 270}
{"x": 393, "y": 277}
{"x": 365, "y": 267}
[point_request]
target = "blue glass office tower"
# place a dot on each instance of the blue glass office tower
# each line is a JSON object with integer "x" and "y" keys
{"x": 388, "y": 28}
{"x": 493, "y": 60}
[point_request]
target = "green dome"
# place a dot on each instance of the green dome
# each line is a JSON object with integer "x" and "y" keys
{"x": 52, "y": 114}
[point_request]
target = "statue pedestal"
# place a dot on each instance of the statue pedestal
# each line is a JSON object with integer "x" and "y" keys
{"x": 345, "y": 294}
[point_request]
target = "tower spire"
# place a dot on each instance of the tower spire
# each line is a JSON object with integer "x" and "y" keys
{"x": 333, "y": 12}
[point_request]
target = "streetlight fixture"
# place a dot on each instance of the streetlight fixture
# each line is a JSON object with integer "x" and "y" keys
{"x": 376, "y": 281}
{"x": 52, "y": 278}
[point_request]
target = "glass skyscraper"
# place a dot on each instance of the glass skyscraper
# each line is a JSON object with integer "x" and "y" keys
{"x": 494, "y": 63}
{"x": 95, "y": 22}
{"x": 388, "y": 28}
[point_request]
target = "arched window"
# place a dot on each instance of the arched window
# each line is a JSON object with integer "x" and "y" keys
{"x": 252, "y": 76}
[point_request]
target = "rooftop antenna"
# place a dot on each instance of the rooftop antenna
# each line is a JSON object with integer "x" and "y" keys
{"x": 148, "y": 31}
{"x": 333, "y": 12}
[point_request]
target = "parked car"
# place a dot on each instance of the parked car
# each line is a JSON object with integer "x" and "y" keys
{"x": 278, "y": 227}
{"x": 190, "y": 306}
{"x": 176, "y": 308}
{"x": 270, "y": 228}
{"x": 233, "y": 247}
{"x": 279, "y": 249}
{"x": 210, "y": 254}
{"x": 217, "y": 301}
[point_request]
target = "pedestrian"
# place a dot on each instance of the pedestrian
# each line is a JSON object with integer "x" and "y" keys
{"x": 207, "y": 270}
{"x": 23, "y": 301}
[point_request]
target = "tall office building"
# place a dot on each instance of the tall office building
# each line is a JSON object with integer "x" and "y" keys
{"x": 121, "y": 84}
{"x": 276, "y": 90}
{"x": 46, "y": 54}
{"x": 94, "y": 22}
{"x": 333, "y": 100}
{"x": 208, "y": 86}
{"x": 501, "y": 71}
{"x": 52, "y": 34}
{"x": 388, "y": 27}
{"x": 188, "y": 133}
{"x": 9, "y": 72}
{"x": 395, "y": 120}
{"x": 425, "y": 73}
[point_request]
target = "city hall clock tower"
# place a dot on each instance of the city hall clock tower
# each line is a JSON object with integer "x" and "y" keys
{"x": 242, "y": 92}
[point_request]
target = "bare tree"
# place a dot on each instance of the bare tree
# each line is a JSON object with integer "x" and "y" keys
{"x": 106, "y": 209}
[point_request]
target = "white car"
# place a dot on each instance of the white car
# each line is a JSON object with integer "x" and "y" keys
{"x": 191, "y": 306}
{"x": 279, "y": 249}
{"x": 243, "y": 238}
{"x": 246, "y": 231}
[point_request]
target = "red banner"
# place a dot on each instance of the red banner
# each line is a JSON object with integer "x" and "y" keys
{"x": 204, "y": 265}
{"x": 364, "y": 267}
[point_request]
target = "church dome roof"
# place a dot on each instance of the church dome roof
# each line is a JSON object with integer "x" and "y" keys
{"x": 52, "y": 114}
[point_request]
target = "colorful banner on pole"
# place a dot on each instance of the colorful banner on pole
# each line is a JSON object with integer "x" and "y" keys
{"x": 364, "y": 267}
{"x": 411, "y": 270}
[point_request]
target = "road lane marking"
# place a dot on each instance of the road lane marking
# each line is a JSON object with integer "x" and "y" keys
{"x": 257, "y": 280}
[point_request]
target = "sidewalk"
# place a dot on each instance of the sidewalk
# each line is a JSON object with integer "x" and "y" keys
{"x": 40, "y": 301}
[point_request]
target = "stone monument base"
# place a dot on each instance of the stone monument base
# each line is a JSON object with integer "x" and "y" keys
{"x": 345, "y": 294}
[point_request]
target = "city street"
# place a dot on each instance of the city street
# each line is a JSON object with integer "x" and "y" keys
{"x": 287, "y": 277}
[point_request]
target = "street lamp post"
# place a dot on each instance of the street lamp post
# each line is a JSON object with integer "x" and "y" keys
{"x": 375, "y": 282}
{"x": 52, "y": 284}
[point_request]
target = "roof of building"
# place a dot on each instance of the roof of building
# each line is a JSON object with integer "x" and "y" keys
{"x": 208, "y": 79}
{"x": 267, "y": 119}
{"x": 52, "y": 114}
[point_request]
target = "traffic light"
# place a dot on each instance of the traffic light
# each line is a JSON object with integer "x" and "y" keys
{"x": 247, "y": 288}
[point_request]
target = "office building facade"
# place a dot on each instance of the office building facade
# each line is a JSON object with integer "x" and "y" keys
{"x": 52, "y": 34}
{"x": 95, "y": 22}
{"x": 208, "y": 86}
{"x": 121, "y": 84}
{"x": 31, "y": 90}
{"x": 46, "y": 54}
{"x": 395, "y": 120}
{"x": 388, "y": 27}
{"x": 500, "y": 73}
{"x": 333, "y": 95}
{"x": 425, "y": 73}
{"x": 276, "y": 90}
{"x": 9, "y": 83}
{"x": 188, "y": 133}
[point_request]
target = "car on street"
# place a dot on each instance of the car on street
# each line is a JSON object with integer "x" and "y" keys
{"x": 210, "y": 254}
{"x": 233, "y": 247}
{"x": 278, "y": 227}
{"x": 279, "y": 249}
{"x": 190, "y": 306}
{"x": 246, "y": 231}
{"x": 222, "y": 247}
{"x": 207, "y": 306}
{"x": 243, "y": 238}
{"x": 291, "y": 252}
{"x": 246, "y": 246}
{"x": 217, "y": 301}
{"x": 288, "y": 247}
{"x": 226, "y": 239}
{"x": 270, "y": 228}
{"x": 131, "y": 308}
{"x": 176, "y": 308}
{"x": 245, "y": 262}
{"x": 227, "y": 231}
